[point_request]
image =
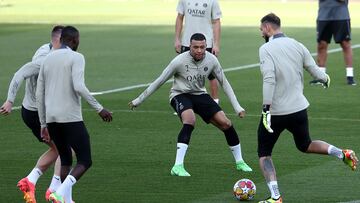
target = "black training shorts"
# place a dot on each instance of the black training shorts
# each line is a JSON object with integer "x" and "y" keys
{"x": 31, "y": 119}
{"x": 340, "y": 29}
{"x": 71, "y": 135}
{"x": 183, "y": 49}
{"x": 203, "y": 105}
{"x": 296, "y": 123}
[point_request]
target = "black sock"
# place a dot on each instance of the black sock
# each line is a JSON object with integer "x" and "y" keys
{"x": 185, "y": 134}
{"x": 231, "y": 136}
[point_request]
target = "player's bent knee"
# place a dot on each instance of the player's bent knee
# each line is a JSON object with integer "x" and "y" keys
{"x": 303, "y": 147}
{"x": 86, "y": 163}
{"x": 226, "y": 124}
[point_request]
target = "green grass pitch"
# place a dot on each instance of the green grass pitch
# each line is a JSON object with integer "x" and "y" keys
{"x": 133, "y": 155}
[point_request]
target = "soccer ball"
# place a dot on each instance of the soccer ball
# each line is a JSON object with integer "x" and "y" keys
{"x": 244, "y": 189}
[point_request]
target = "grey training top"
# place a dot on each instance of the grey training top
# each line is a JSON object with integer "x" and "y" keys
{"x": 28, "y": 72}
{"x": 189, "y": 77}
{"x": 333, "y": 10}
{"x": 282, "y": 61}
{"x": 60, "y": 88}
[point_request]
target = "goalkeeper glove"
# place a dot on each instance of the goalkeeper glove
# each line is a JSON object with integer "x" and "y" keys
{"x": 266, "y": 118}
{"x": 327, "y": 83}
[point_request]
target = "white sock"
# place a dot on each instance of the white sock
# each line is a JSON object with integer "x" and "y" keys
{"x": 274, "y": 189}
{"x": 323, "y": 69}
{"x": 55, "y": 183}
{"x": 34, "y": 175}
{"x": 334, "y": 151}
{"x": 65, "y": 188}
{"x": 349, "y": 72}
{"x": 180, "y": 153}
{"x": 236, "y": 151}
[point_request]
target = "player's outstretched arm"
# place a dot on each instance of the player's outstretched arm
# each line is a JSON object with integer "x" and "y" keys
{"x": 105, "y": 115}
{"x": 6, "y": 108}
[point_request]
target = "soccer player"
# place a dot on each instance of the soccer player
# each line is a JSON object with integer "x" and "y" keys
{"x": 58, "y": 96}
{"x": 334, "y": 20}
{"x": 282, "y": 60}
{"x": 200, "y": 17}
{"x": 188, "y": 96}
{"x": 30, "y": 72}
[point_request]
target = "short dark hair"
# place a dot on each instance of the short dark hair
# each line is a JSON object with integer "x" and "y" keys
{"x": 68, "y": 34}
{"x": 271, "y": 18}
{"x": 57, "y": 30}
{"x": 197, "y": 37}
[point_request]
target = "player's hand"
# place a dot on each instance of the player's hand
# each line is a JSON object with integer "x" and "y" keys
{"x": 132, "y": 106}
{"x": 266, "y": 118}
{"x": 105, "y": 115}
{"x": 177, "y": 46}
{"x": 215, "y": 50}
{"x": 327, "y": 83}
{"x": 6, "y": 108}
{"x": 45, "y": 135}
{"x": 242, "y": 114}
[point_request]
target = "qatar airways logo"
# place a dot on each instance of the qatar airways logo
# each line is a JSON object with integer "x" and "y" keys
{"x": 196, "y": 12}
{"x": 197, "y": 77}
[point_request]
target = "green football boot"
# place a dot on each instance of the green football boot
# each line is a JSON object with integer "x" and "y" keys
{"x": 242, "y": 166}
{"x": 179, "y": 170}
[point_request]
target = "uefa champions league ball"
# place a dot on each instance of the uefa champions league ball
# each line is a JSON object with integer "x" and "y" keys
{"x": 244, "y": 189}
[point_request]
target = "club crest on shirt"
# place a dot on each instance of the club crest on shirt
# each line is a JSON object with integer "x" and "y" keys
{"x": 206, "y": 68}
{"x": 205, "y": 5}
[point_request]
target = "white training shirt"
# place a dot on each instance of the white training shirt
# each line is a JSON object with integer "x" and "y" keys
{"x": 189, "y": 77}
{"x": 282, "y": 61}
{"x": 28, "y": 72}
{"x": 60, "y": 88}
{"x": 198, "y": 19}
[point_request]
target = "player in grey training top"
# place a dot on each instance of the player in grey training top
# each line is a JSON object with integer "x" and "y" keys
{"x": 334, "y": 20}
{"x": 29, "y": 72}
{"x": 282, "y": 61}
{"x": 58, "y": 96}
{"x": 188, "y": 96}
{"x": 201, "y": 16}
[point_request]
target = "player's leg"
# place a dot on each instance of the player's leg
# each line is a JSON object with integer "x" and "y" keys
{"x": 266, "y": 143}
{"x": 224, "y": 124}
{"x": 183, "y": 106}
{"x": 324, "y": 34}
{"x": 59, "y": 134}
{"x": 342, "y": 36}
{"x": 211, "y": 112}
{"x": 300, "y": 130}
{"x": 27, "y": 184}
{"x": 56, "y": 180}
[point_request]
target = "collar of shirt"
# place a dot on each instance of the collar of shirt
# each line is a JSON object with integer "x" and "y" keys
{"x": 278, "y": 35}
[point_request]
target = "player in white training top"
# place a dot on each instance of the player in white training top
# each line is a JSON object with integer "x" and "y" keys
{"x": 201, "y": 16}
{"x": 188, "y": 96}
{"x": 29, "y": 72}
{"x": 58, "y": 97}
{"x": 282, "y": 64}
